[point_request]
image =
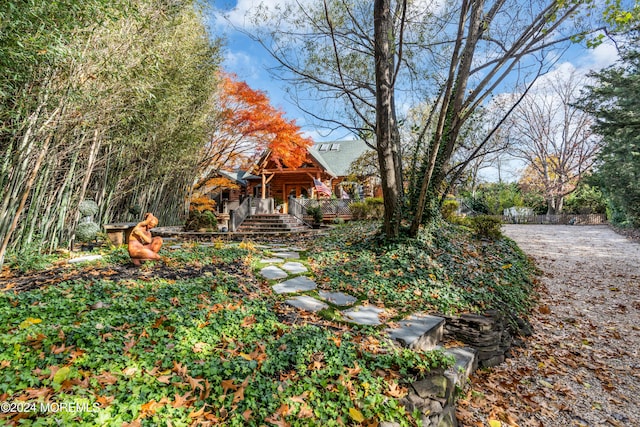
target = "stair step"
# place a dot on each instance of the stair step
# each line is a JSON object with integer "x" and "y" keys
{"x": 418, "y": 332}
{"x": 271, "y": 223}
{"x": 466, "y": 363}
{"x": 253, "y": 225}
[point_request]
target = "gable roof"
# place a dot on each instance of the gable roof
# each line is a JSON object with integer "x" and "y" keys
{"x": 338, "y": 155}
{"x": 334, "y": 157}
{"x": 238, "y": 176}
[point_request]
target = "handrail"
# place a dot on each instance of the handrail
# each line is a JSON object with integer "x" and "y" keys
{"x": 237, "y": 216}
{"x": 297, "y": 210}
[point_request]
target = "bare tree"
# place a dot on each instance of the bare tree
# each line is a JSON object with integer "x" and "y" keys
{"x": 350, "y": 71}
{"x": 554, "y": 139}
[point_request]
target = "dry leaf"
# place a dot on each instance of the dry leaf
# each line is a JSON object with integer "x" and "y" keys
{"x": 356, "y": 415}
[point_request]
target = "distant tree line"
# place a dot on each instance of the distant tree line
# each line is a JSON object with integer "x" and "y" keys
{"x": 614, "y": 100}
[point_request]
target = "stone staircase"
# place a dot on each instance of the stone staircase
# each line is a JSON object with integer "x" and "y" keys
{"x": 434, "y": 396}
{"x": 271, "y": 224}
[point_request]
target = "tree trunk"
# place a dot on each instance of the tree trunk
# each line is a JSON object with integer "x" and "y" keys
{"x": 386, "y": 126}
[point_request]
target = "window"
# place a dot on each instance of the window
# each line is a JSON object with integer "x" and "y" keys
{"x": 335, "y": 147}
{"x": 324, "y": 147}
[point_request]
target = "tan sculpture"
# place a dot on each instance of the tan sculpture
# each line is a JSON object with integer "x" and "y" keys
{"x": 142, "y": 246}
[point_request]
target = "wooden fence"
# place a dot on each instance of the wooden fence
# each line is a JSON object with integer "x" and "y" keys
{"x": 567, "y": 219}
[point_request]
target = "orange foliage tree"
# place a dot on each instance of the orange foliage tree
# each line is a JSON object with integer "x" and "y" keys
{"x": 249, "y": 117}
{"x": 246, "y": 126}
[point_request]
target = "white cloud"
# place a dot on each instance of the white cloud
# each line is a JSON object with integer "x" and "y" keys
{"x": 584, "y": 62}
{"x": 239, "y": 16}
{"x": 600, "y": 57}
{"x": 242, "y": 64}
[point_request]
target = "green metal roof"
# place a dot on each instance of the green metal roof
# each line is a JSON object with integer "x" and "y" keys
{"x": 238, "y": 176}
{"x": 337, "y": 156}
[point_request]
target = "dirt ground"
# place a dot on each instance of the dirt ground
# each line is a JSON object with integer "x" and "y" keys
{"x": 581, "y": 367}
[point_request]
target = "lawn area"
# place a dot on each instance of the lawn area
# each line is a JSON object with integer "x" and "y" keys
{"x": 199, "y": 340}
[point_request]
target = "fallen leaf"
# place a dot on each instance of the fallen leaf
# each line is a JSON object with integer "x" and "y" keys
{"x": 164, "y": 379}
{"x": 130, "y": 371}
{"x": 106, "y": 378}
{"x": 356, "y": 415}
{"x": 195, "y": 383}
{"x": 198, "y": 413}
{"x": 543, "y": 309}
{"x": 181, "y": 401}
{"x": 228, "y": 385}
{"x": 104, "y": 400}
{"x": 248, "y": 321}
{"x": 199, "y": 347}
{"x": 61, "y": 375}
{"x": 29, "y": 321}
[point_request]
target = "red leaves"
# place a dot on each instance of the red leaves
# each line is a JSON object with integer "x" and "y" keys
{"x": 250, "y": 124}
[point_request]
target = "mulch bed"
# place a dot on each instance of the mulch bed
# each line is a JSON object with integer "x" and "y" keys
{"x": 56, "y": 275}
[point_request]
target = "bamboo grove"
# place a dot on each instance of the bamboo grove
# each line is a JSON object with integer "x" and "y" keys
{"x": 102, "y": 100}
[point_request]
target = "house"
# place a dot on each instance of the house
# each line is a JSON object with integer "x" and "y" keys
{"x": 227, "y": 188}
{"x": 327, "y": 166}
{"x": 322, "y": 176}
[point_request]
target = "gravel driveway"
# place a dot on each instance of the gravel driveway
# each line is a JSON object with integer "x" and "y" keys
{"x": 582, "y": 365}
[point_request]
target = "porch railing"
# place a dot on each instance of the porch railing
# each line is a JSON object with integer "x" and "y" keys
{"x": 298, "y": 210}
{"x": 331, "y": 208}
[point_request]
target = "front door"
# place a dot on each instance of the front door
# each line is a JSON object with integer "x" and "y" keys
{"x": 291, "y": 190}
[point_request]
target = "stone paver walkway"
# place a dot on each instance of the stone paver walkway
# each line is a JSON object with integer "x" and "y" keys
{"x": 297, "y": 283}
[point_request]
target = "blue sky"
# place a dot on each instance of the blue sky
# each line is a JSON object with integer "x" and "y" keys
{"x": 248, "y": 60}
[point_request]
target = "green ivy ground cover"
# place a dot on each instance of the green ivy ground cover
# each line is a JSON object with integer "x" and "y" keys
{"x": 447, "y": 270}
{"x": 209, "y": 349}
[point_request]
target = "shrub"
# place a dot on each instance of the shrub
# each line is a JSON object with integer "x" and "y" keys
{"x": 486, "y": 226}
{"x": 316, "y": 213}
{"x": 449, "y": 208}
{"x": 88, "y": 208}
{"x": 371, "y": 208}
{"x": 87, "y": 231}
{"x": 201, "y": 220}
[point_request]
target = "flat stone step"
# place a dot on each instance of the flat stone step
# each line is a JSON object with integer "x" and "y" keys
{"x": 272, "y": 272}
{"x": 272, "y": 260}
{"x": 307, "y": 303}
{"x": 364, "y": 315}
{"x": 466, "y": 363}
{"x": 270, "y": 222}
{"x": 338, "y": 298}
{"x": 294, "y": 267}
{"x": 297, "y": 284}
{"x": 418, "y": 332}
{"x": 287, "y": 255}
